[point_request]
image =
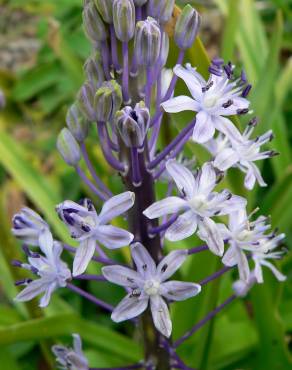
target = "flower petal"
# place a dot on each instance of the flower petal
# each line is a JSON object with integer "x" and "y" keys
{"x": 210, "y": 233}
{"x": 204, "y": 128}
{"x": 179, "y": 290}
{"x": 192, "y": 79}
{"x": 32, "y": 290}
{"x": 46, "y": 242}
{"x": 182, "y": 176}
{"x": 123, "y": 276}
{"x": 206, "y": 179}
{"x": 180, "y": 104}
{"x": 243, "y": 266}
{"x": 171, "y": 263}
{"x": 129, "y": 307}
{"x": 116, "y": 206}
{"x": 164, "y": 207}
{"x": 160, "y": 315}
{"x": 228, "y": 128}
{"x": 274, "y": 270}
{"x": 183, "y": 227}
{"x": 113, "y": 237}
{"x": 45, "y": 300}
{"x": 83, "y": 255}
{"x": 143, "y": 261}
{"x": 230, "y": 256}
{"x": 225, "y": 159}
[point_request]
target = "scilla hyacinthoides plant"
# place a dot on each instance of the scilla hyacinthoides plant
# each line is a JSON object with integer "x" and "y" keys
{"x": 126, "y": 93}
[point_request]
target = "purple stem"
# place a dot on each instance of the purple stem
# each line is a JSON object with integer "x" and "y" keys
{"x": 180, "y": 137}
{"x": 90, "y": 277}
{"x": 201, "y": 323}
{"x": 92, "y": 171}
{"x": 164, "y": 226}
{"x": 138, "y": 13}
{"x": 125, "y": 79}
{"x": 112, "y": 161}
{"x": 148, "y": 87}
{"x": 105, "y": 59}
{"x": 170, "y": 90}
{"x": 115, "y": 58}
{"x": 136, "y": 173}
{"x": 104, "y": 261}
{"x": 90, "y": 297}
{"x": 154, "y": 138}
{"x": 93, "y": 188}
{"x": 113, "y": 145}
{"x": 175, "y": 152}
{"x": 215, "y": 275}
{"x": 201, "y": 248}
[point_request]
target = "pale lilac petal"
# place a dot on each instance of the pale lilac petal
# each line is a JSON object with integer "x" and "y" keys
{"x": 183, "y": 227}
{"x": 274, "y": 270}
{"x": 204, "y": 128}
{"x": 179, "y": 290}
{"x": 165, "y": 206}
{"x": 192, "y": 79}
{"x": 180, "y": 104}
{"x": 227, "y": 206}
{"x": 116, "y": 206}
{"x": 160, "y": 315}
{"x": 83, "y": 256}
{"x": 131, "y": 306}
{"x": 226, "y": 159}
{"x": 230, "y": 257}
{"x": 250, "y": 179}
{"x": 258, "y": 272}
{"x": 46, "y": 242}
{"x": 77, "y": 344}
{"x": 113, "y": 237}
{"x": 143, "y": 261}
{"x": 123, "y": 276}
{"x": 238, "y": 103}
{"x": 257, "y": 174}
{"x": 171, "y": 263}
{"x": 225, "y": 233}
{"x": 210, "y": 233}
{"x": 228, "y": 128}
{"x": 32, "y": 290}
{"x": 45, "y": 300}
{"x": 243, "y": 266}
{"x": 237, "y": 219}
{"x": 182, "y": 176}
{"x": 206, "y": 179}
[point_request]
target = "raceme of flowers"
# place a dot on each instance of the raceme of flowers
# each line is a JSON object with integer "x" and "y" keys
{"x": 126, "y": 95}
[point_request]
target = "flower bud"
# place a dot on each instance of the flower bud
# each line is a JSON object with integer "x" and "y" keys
{"x": 68, "y": 147}
{"x": 140, "y": 2}
{"x": 133, "y": 125}
{"x": 93, "y": 24}
{"x": 107, "y": 100}
{"x": 161, "y": 9}
{"x": 187, "y": 27}
{"x": 94, "y": 71}
{"x": 124, "y": 19}
{"x": 85, "y": 100}
{"x": 147, "y": 42}
{"x": 164, "y": 49}
{"x": 105, "y": 9}
{"x": 76, "y": 123}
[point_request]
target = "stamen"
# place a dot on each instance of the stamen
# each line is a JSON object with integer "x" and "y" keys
{"x": 215, "y": 71}
{"x": 227, "y": 104}
{"x": 164, "y": 268}
{"x": 208, "y": 86}
{"x": 242, "y": 111}
{"x": 246, "y": 91}
{"x": 22, "y": 282}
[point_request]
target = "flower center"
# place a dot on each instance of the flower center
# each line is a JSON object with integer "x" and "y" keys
{"x": 198, "y": 204}
{"x": 151, "y": 287}
{"x": 210, "y": 100}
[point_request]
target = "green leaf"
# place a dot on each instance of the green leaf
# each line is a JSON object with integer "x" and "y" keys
{"x": 230, "y": 30}
{"x": 91, "y": 332}
{"x": 13, "y": 158}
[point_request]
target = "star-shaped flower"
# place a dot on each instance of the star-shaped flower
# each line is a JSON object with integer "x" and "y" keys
{"x": 52, "y": 271}
{"x": 71, "y": 358}
{"x": 149, "y": 285}
{"x": 240, "y": 151}
{"x": 88, "y": 227}
{"x": 199, "y": 203}
{"x": 212, "y": 100}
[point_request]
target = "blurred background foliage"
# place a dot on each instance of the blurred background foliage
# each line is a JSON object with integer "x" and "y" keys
{"x": 42, "y": 50}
